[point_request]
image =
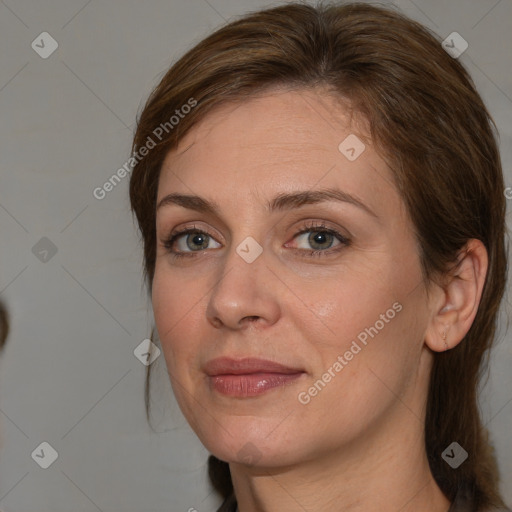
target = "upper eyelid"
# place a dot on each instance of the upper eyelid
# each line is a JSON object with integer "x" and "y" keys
{"x": 309, "y": 225}
{"x": 299, "y": 212}
{"x": 343, "y": 239}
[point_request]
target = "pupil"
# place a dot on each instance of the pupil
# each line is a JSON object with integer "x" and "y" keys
{"x": 197, "y": 240}
{"x": 319, "y": 238}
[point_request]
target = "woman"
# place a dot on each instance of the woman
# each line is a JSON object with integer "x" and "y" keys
{"x": 320, "y": 198}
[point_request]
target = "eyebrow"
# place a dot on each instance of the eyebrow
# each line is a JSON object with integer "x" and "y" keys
{"x": 284, "y": 201}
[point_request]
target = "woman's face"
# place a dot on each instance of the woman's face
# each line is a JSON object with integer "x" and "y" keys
{"x": 348, "y": 321}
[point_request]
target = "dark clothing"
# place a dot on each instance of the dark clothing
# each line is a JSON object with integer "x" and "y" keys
{"x": 463, "y": 502}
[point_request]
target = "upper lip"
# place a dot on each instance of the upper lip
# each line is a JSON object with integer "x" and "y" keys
{"x": 248, "y": 365}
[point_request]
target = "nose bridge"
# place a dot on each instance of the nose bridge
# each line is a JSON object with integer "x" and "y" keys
{"x": 243, "y": 289}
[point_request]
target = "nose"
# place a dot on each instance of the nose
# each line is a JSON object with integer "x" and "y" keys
{"x": 245, "y": 294}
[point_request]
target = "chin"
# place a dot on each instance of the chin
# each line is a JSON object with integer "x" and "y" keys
{"x": 237, "y": 444}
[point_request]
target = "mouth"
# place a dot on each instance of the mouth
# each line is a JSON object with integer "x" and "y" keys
{"x": 249, "y": 377}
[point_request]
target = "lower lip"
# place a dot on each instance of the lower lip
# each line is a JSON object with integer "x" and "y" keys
{"x": 250, "y": 384}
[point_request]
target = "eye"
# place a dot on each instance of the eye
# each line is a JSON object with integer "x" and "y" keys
{"x": 321, "y": 239}
{"x": 324, "y": 241}
{"x": 190, "y": 240}
{"x": 318, "y": 239}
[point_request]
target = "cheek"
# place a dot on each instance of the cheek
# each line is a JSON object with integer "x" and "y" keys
{"x": 175, "y": 314}
{"x": 344, "y": 306}
{"x": 368, "y": 321}
{"x": 176, "y": 321}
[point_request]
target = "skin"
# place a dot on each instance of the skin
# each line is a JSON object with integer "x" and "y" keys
{"x": 359, "y": 443}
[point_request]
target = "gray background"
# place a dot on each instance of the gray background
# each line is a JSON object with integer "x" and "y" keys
{"x": 68, "y": 375}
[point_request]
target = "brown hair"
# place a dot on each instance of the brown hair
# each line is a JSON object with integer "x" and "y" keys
{"x": 4, "y": 325}
{"x": 430, "y": 125}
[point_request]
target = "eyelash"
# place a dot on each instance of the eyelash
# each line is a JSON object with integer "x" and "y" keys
{"x": 321, "y": 228}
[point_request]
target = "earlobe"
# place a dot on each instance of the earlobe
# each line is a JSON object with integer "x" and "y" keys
{"x": 444, "y": 340}
{"x": 455, "y": 304}
{"x": 442, "y": 337}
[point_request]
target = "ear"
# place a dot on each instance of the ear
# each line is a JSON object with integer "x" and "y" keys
{"x": 454, "y": 304}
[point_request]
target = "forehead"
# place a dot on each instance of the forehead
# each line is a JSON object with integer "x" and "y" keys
{"x": 278, "y": 141}
{"x": 276, "y": 121}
